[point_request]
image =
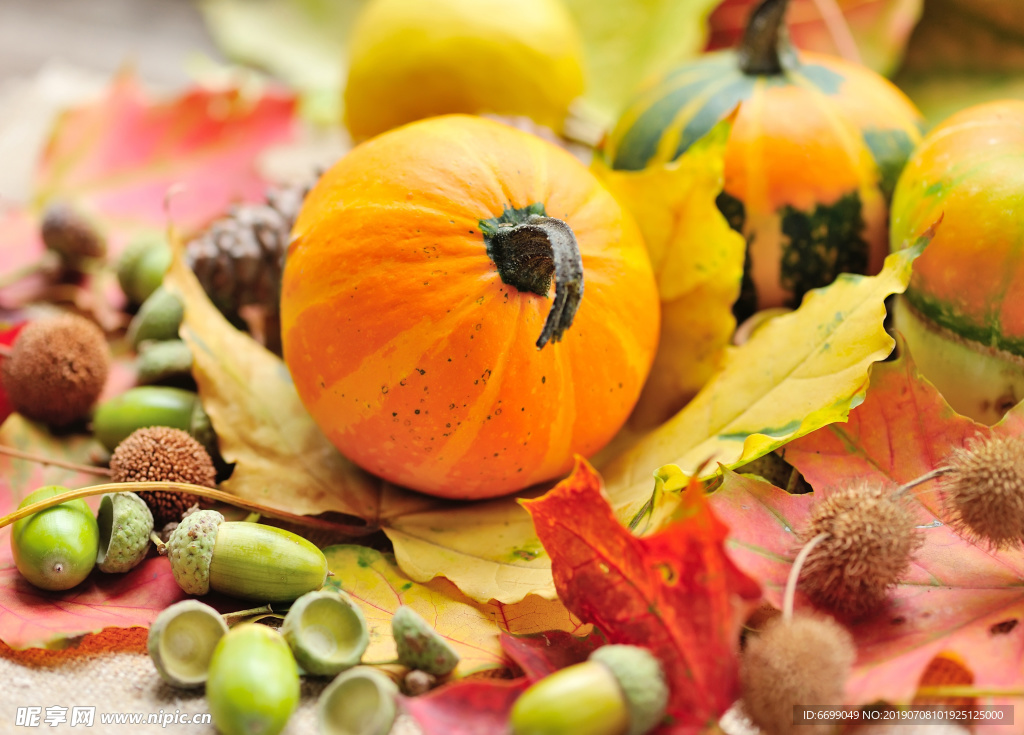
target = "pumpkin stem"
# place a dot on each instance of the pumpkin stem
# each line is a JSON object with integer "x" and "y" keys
{"x": 765, "y": 47}
{"x": 528, "y": 254}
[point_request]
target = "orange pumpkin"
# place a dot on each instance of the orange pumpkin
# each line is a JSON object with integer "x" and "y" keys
{"x": 423, "y": 267}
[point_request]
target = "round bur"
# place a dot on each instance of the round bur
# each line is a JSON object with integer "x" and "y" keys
{"x": 359, "y": 702}
{"x": 326, "y": 631}
{"x": 181, "y": 642}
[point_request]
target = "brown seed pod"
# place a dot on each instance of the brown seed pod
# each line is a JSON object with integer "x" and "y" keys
{"x": 871, "y": 538}
{"x": 802, "y": 661}
{"x": 983, "y": 490}
{"x": 57, "y": 369}
{"x": 163, "y": 454}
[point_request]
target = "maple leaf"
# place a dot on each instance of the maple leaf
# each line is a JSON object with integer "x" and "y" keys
{"x": 958, "y": 598}
{"x": 675, "y": 592}
{"x": 118, "y": 157}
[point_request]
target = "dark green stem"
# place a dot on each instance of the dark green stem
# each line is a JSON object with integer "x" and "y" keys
{"x": 528, "y": 254}
{"x": 765, "y": 42}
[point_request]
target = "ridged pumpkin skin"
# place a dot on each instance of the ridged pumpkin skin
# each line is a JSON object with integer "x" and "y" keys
{"x": 970, "y": 281}
{"x": 811, "y": 162}
{"x": 410, "y": 352}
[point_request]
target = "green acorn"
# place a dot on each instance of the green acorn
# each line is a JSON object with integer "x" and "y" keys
{"x": 142, "y": 265}
{"x": 419, "y": 645}
{"x": 55, "y": 549}
{"x": 252, "y": 685}
{"x": 619, "y": 690}
{"x": 159, "y": 318}
{"x": 150, "y": 405}
{"x": 243, "y": 559}
{"x": 125, "y": 524}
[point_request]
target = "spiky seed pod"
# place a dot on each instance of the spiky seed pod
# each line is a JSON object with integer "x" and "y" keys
{"x": 70, "y": 234}
{"x": 802, "y": 661}
{"x": 984, "y": 489}
{"x": 163, "y": 454}
{"x": 57, "y": 369}
{"x": 238, "y": 260}
{"x": 872, "y": 537}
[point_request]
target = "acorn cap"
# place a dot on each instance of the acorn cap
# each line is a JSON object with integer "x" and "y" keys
{"x": 984, "y": 489}
{"x": 181, "y": 642}
{"x": 361, "y": 700}
{"x": 802, "y": 661}
{"x": 56, "y": 369}
{"x": 872, "y": 537}
{"x": 68, "y": 232}
{"x": 642, "y": 681}
{"x": 163, "y": 454}
{"x": 190, "y": 550}
{"x": 419, "y": 645}
{"x": 125, "y": 524}
{"x": 326, "y": 631}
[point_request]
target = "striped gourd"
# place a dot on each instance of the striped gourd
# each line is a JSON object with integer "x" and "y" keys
{"x": 963, "y": 313}
{"x": 814, "y": 153}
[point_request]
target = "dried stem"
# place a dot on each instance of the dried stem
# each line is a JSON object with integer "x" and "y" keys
{"x": 161, "y": 547}
{"x": 184, "y": 487}
{"x": 902, "y": 489}
{"x": 87, "y": 468}
{"x": 794, "y": 574}
{"x": 953, "y": 690}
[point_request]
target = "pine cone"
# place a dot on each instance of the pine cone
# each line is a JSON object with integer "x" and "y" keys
{"x": 239, "y": 259}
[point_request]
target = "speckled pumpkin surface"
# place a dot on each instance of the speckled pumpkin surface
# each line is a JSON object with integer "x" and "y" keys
{"x": 410, "y": 351}
{"x": 815, "y": 150}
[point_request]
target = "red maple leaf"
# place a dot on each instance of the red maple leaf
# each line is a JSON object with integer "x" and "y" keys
{"x": 959, "y": 596}
{"x": 675, "y": 592}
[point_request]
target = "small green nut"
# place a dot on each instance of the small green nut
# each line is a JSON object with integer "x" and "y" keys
{"x": 361, "y": 701}
{"x": 243, "y": 559}
{"x": 253, "y": 682}
{"x": 71, "y": 233}
{"x": 55, "y": 549}
{"x": 181, "y": 642}
{"x": 125, "y": 523}
{"x": 140, "y": 408}
{"x": 162, "y": 360}
{"x": 419, "y": 645}
{"x": 158, "y": 318}
{"x": 142, "y": 265}
{"x": 326, "y": 631}
{"x": 619, "y": 690}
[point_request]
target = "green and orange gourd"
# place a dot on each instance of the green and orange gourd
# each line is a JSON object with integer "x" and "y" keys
{"x": 963, "y": 312}
{"x": 812, "y": 158}
{"x": 465, "y": 307}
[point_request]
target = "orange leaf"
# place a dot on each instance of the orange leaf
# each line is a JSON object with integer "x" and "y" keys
{"x": 675, "y": 592}
{"x": 958, "y": 598}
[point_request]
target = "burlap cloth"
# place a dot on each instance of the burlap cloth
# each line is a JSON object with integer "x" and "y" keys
{"x": 112, "y": 672}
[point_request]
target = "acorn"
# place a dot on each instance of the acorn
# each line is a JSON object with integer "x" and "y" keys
{"x": 243, "y": 559}
{"x": 158, "y": 318}
{"x": 801, "y": 661}
{"x": 57, "y": 369}
{"x": 164, "y": 360}
{"x": 361, "y": 701}
{"x": 125, "y": 524}
{"x": 326, "y": 631}
{"x": 150, "y": 405}
{"x": 619, "y": 690}
{"x": 871, "y": 537}
{"x": 419, "y": 646}
{"x": 983, "y": 489}
{"x": 252, "y": 685}
{"x": 56, "y": 548}
{"x": 70, "y": 234}
{"x": 181, "y": 642}
{"x": 163, "y": 454}
{"x": 142, "y": 265}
